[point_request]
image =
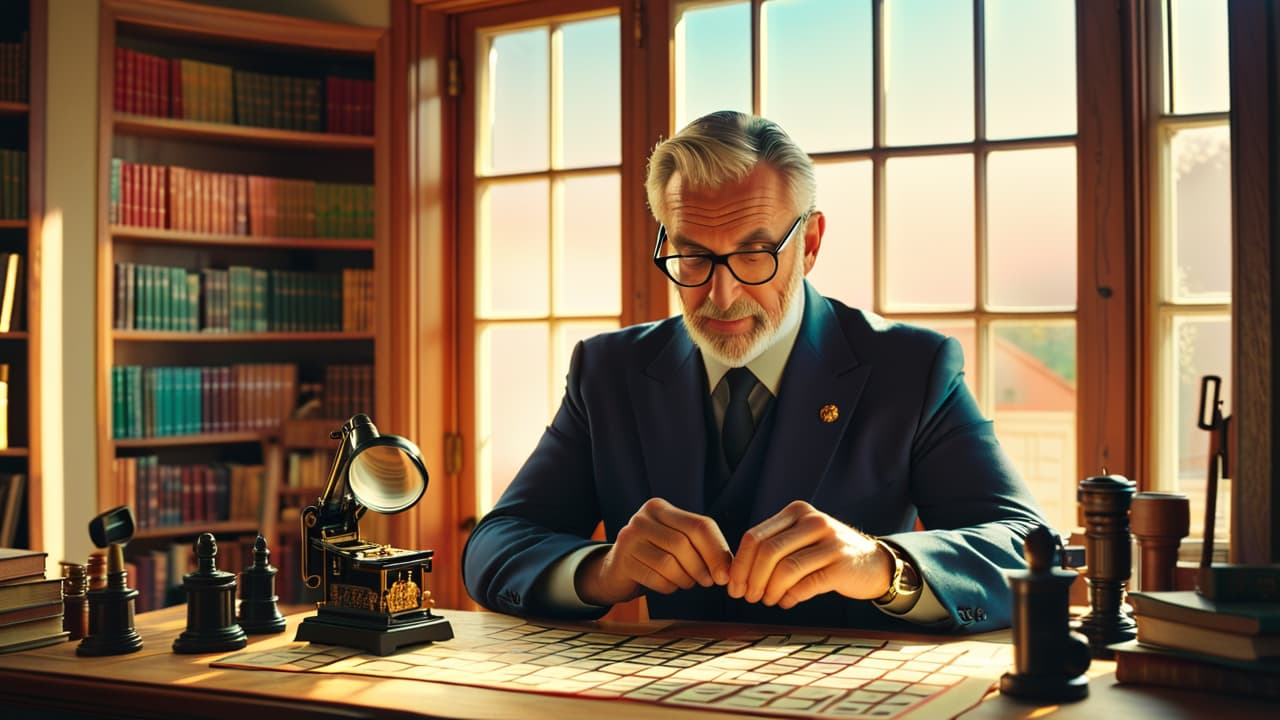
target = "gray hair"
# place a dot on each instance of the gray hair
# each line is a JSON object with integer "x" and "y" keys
{"x": 722, "y": 148}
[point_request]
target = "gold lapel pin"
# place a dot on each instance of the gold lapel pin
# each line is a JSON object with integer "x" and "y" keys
{"x": 829, "y": 413}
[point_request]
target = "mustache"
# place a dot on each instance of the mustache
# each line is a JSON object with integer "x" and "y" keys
{"x": 741, "y": 308}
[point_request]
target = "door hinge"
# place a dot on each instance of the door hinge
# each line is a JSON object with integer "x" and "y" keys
{"x": 452, "y": 453}
{"x": 637, "y": 23}
{"x": 453, "y": 85}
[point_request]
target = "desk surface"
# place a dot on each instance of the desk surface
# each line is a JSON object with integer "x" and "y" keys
{"x": 156, "y": 683}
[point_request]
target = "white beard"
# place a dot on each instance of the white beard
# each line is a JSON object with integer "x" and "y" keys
{"x": 738, "y": 350}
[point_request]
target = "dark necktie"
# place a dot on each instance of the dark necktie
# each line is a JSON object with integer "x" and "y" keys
{"x": 735, "y": 435}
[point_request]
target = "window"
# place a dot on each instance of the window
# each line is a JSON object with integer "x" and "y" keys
{"x": 1191, "y": 327}
{"x": 544, "y": 222}
{"x": 944, "y": 138}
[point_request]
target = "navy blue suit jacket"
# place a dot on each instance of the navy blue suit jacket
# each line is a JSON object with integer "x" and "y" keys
{"x": 909, "y": 441}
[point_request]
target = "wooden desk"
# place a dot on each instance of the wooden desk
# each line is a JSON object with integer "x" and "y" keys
{"x": 156, "y": 683}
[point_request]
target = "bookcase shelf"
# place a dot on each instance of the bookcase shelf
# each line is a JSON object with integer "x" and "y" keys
{"x": 163, "y": 441}
{"x": 23, "y": 33}
{"x": 194, "y": 529}
{"x": 156, "y": 236}
{"x": 196, "y": 337}
{"x": 153, "y": 127}
{"x": 236, "y": 254}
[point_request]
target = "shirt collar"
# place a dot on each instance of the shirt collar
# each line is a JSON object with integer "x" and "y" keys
{"x": 768, "y": 365}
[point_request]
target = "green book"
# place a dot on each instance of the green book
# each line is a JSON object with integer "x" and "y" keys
{"x": 1192, "y": 608}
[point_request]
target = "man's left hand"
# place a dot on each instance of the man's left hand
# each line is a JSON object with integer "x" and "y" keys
{"x": 802, "y": 552}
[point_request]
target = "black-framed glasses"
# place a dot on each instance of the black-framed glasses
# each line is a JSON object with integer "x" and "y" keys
{"x": 749, "y": 267}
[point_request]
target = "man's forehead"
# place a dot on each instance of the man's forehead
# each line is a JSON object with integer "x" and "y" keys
{"x": 755, "y": 200}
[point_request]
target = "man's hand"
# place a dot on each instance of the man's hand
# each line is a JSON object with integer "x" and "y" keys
{"x": 800, "y": 553}
{"x": 662, "y": 548}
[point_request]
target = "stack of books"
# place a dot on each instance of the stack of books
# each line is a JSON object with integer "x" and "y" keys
{"x": 1187, "y": 640}
{"x": 30, "y": 604}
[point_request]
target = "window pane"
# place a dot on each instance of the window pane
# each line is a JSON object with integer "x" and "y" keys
{"x": 567, "y": 336}
{"x": 1199, "y": 53}
{"x": 1035, "y": 409}
{"x": 518, "y": 113}
{"x": 1201, "y": 222}
{"x": 1030, "y": 68}
{"x": 928, "y": 71}
{"x": 827, "y": 110}
{"x": 845, "y": 266}
{"x": 713, "y": 60}
{"x": 1203, "y": 347}
{"x": 512, "y": 263}
{"x": 590, "y": 98}
{"x": 1031, "y": 229}
{"x": 512, "y": 391}
{"x": 588, "y": 278}
{"x": 965, "y": 333}
{"x": 929, "y": 246}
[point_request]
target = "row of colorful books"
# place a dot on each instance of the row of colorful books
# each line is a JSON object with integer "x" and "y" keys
{"x": 30, "y": 604}
{"x": 242, "y": 299}
{"x": 167, "y": 495}
{"x": 14, "y": 77}
{"x": 164, "y": 401}
{"x": 190, "y": 200}
{"x": 1187, "y": 640}
{"x": 157, "y": 573}
{"x": 187, "y": 89}
{"x": 13, "y": 184}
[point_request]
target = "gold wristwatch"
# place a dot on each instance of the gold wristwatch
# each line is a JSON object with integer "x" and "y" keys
{"x": 905, "y": 579}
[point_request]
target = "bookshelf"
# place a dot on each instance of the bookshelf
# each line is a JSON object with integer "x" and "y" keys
{"x": 242, "y": 192}
{"x": 22, "y": 72}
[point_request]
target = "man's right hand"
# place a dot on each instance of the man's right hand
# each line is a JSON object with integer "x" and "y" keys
{"x": 662, "y": 548}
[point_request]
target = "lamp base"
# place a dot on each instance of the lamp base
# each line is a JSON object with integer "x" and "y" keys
{"x": 377, "y": 638}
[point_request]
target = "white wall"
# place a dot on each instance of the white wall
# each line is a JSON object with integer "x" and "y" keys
{"x": 68, "y": 296}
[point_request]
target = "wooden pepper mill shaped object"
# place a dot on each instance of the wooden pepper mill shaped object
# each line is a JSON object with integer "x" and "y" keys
{"x": 1105, "y": 500}
{"x": 211, "y": 597}
{"x": 1159, "y": 521}
{"x": 111, "y": 609}
{"x": 1049, "y": 659}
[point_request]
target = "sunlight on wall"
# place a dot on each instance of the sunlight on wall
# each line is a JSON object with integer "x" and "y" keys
{"x": 51, "y": 432}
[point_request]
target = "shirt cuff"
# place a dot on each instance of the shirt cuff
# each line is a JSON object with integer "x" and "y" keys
{"x": 561, "y": 593}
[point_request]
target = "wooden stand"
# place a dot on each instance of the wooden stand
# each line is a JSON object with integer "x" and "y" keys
{"x": 1159, "y": 521}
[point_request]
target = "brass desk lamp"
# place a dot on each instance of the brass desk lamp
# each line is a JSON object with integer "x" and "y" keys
{"x": 374, "y": 595}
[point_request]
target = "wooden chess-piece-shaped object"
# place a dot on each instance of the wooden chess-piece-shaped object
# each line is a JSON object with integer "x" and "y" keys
{"x": 75, "y": 607}
{"x": 258, "y": 610}
{"x": 1109, "y": 557}
{"x": 97, "y": 569}
{"x": 111, "y": 630}
{"x": 1159, "y": 521}
{"x": 1048, "y": 659}
{"x": 211, "y": 594}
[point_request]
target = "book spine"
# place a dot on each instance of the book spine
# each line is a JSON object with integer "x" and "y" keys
{"x": 1166, "y": 671}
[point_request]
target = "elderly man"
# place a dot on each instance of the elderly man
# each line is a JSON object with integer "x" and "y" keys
{"x": 764, "y": 457}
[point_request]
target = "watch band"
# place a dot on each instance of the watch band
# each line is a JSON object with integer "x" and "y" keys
{"x": 904, "y": 578}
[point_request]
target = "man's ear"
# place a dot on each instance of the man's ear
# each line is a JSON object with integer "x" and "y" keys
{"x": 814, "y": 229}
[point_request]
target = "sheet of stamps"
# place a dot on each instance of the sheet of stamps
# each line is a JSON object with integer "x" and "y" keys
{"x": 777, "y": 675}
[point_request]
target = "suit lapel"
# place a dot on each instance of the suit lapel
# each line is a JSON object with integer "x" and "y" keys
{"x": 669, "y": 407}
{"x": 822, "y": 373}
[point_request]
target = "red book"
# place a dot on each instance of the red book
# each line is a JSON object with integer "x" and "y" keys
{"x": 119, "y": 81}
{"x": 175, "y": 88}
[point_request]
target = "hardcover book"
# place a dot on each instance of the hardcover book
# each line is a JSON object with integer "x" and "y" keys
{"x": 1192, "y": 608}
{"x": 16, "y": 563}
{"x": 1140, "y": 664}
